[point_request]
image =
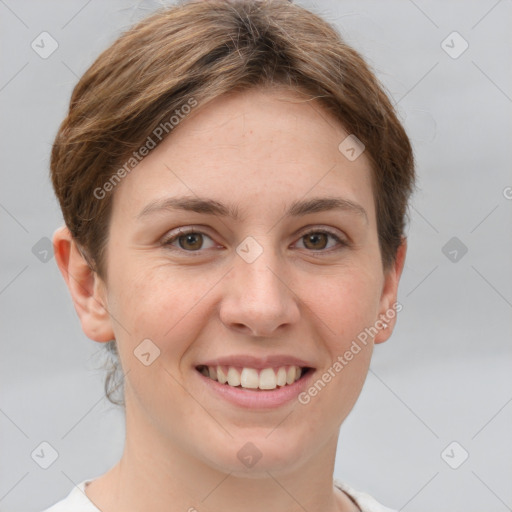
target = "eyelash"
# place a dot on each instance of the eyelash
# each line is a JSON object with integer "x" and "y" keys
{"x": 183, "y": 232}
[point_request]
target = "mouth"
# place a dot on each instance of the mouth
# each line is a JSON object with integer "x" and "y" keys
{"x": 255, "y": 379}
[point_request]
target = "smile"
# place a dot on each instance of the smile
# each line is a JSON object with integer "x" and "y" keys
{"x": 252, "y": 378}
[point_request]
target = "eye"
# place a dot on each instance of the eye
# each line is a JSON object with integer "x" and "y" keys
{"x": 192, "y": 240}
{"x": 189, "y": 240}
{"x": 318, "y": 240}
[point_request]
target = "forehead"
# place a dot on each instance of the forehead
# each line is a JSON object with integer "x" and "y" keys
{"x": 277, "y": 117}
{"x": 262, "y": 143}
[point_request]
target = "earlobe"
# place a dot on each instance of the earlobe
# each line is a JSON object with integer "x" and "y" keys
{"x": 389, "y": 305}
{"x": 87, "y": 289}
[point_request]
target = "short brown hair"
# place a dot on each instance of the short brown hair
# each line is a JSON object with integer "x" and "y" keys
{"x": 201, "y": 50}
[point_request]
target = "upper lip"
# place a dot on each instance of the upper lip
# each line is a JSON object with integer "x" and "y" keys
{"x": 259, "y": 363}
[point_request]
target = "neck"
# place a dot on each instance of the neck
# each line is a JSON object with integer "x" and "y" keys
{"x": 154, "y": 474}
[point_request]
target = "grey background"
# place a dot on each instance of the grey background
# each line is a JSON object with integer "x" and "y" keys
{"x": 444, "y": 376}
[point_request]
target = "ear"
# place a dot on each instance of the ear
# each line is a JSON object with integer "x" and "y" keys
{"x": 87, "y": 289}
{"x": 389, "y": 306}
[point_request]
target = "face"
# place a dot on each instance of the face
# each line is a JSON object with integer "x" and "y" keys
{"x": 291, "y": 280}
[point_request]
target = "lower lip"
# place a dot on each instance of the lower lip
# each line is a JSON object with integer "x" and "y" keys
{"x": 257, "y": 399}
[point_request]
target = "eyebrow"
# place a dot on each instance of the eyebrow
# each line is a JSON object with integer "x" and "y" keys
{"x": 211, "y": 207}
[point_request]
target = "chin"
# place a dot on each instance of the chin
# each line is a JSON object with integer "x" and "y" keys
{"x": 257, "y": 454}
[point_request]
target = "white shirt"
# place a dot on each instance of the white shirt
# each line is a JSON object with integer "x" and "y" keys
{"x": 77, "y": 500}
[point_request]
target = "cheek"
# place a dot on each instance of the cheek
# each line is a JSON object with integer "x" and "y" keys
{"x": 160, "y": 306}
{"x": 343, "y": 309}
{"x": 345, "y": 303}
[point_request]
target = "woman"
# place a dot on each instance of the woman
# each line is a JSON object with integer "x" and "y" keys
{"x": 234, "y": 184}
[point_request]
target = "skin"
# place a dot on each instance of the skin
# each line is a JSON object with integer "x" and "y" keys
{"x": 259, "y": 150}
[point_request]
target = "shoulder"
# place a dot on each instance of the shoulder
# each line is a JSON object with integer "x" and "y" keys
{"x": 75, "y": 501}
{"x": 365, "y": 502}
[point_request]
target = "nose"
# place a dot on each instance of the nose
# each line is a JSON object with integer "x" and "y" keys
{"x": 258, "y": 299}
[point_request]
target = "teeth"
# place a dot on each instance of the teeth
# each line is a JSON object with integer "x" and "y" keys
{"x": 281, "y": 376}
{"x": 250, "y": 378}
{"x": 233, "y": 377}
{"x": 268, "y": 379}
{"x": 290, "y": 375}
{"x": 221, "y": 376}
